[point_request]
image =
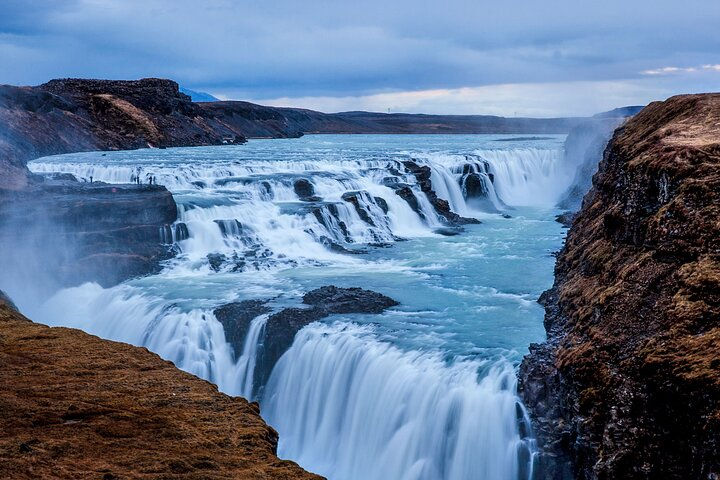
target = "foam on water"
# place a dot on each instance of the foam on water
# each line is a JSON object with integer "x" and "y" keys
{"x": 425, "y": 391}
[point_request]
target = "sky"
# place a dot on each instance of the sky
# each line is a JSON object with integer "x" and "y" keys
{"x": 505, "y": 57}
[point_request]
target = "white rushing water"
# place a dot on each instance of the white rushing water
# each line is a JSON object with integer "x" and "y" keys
{"x": 413, "y": 415}
{"x": 423, "y": 391}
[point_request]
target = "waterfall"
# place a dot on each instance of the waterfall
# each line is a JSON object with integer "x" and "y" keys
{"x": 348, "y": 402}
{"x": 248, "y": 359}
{"x": 193, "y": 340}
{"x": 510, "y": 177}
{"x": 528, "y": 177}
{"x": 351, "y": 407}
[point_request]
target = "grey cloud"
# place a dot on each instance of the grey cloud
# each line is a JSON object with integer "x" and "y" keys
{"x": 289, "y": 48}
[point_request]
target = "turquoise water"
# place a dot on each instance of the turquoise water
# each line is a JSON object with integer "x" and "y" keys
{"x": 442, "y": 362}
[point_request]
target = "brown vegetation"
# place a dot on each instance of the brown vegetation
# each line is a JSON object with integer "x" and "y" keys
{"x": 75, "y": 406}
{"x": 629, "y": 381}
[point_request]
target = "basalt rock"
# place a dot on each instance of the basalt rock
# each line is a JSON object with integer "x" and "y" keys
{"x": 474, "y": 186}
{"x": 352, "y": 198}
{"x": 405, "y": 192}
{"x": 448, "y": 231}
{"x": 76, "y": 406}
{"x": 380, "y": 202}
{"x": 67, "y": 232}
{"x": 216, "y": 261}
{"x": 282, "y": 326}
{"x": 333, "y": 299}
{"x": 335, "y": 213}
{"x": 628, "y": 384}
{"x": 305, "y": 190}
{"x": 236, "y": 317}
{"x": 442, "y": 207}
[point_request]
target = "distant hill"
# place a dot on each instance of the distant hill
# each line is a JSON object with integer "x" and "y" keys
{"x": 198, "y": 96}
{"x": 620, "y": 112}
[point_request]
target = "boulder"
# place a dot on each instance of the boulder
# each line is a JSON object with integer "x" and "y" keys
{"x": 304, "y": 189}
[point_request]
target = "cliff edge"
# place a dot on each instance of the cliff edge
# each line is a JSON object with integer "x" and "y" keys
{"x": 627, "y": 385}
{"x": 75, "y": 406}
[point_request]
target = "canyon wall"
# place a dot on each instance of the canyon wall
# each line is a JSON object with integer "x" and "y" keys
{"x": 627, "y": 385}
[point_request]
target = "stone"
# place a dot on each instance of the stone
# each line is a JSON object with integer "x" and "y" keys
{"x": 304, "y": 189}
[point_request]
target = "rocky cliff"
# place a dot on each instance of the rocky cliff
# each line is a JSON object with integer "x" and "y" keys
{"x": 64, "y": 232}
{"x": 72, "y": 115}
{"x": 627, "y": 385}
{"x": 75, "y": 406}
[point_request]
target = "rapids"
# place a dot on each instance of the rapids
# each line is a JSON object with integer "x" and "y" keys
{"x": 425, "y": 390}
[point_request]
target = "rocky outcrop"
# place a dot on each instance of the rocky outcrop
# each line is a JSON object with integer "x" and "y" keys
{"x": 282, "y": 326}
{"x": 71, "y": 115}
{"x": 75, "y": 406}
{"x": 236, "y": 317}
{"x": 628, "y": 384}
{"x": 66, "y": 233}
{"x": 422, "y": 175}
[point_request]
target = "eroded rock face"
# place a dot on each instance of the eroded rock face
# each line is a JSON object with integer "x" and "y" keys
{"x": 282, "y": 326}
{"x": 442, "y": 207}
{"x": 76, "y": 406}
{"x": 305, "y": 190}
{"x": 333, "y": 299}
{"x": 628, "y": 384}
{"x": 236, "y": 317}
{"x": 352, "y": 198}
{"x": 68, "y": 233}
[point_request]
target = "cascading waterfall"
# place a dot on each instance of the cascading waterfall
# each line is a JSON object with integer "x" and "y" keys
{"x": 414, "y": 416}
{"x": 516, "y": 177}
{"x": 248, "y": 359}
{"x": 348, "y": 402}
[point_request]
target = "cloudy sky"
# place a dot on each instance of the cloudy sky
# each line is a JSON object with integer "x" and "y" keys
{"x": 509, "y": 57}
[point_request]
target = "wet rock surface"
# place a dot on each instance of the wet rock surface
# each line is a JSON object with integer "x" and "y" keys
{"x": 353, "y": 199}
{"x": 73, "y": 232}
{"x": 305, "y": 190}
{"x": 333, "y": 299}
{"x": 236, "y": 317}
{"x": 282, "y": 326}
{"x": 474, "y": 186}
{"x": 628, "y": 384}
{"x": 75, "y": 406}
{"x": 442, "y": 207}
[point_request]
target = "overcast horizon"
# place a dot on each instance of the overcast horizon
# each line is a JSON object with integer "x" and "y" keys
{"x": 561, "y": 58}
